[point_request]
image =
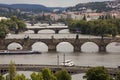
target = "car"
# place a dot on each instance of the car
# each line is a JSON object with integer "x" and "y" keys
{"x": 68, "y": 63}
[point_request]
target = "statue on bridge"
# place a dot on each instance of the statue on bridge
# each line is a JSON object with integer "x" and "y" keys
{"x": 77, "y": 36}
{"x": 52, "y": 37}
{"x": 26, "y": 37}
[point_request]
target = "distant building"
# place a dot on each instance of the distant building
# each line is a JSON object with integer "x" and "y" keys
{"x": 93, "y": 16}
{"x": 1, "y": 18}
{"x": 75, "y": 15}
{"x": 56, "y": 10}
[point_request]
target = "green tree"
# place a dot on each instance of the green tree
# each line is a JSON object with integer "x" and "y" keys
{"x": 14, "y": 18}
{"x": 118, "y": 75}
{"x": 12, "y": 25}
{"x": 97, "y": 73}
{"x": 84, "y": 17}
{"x": 63, "y": 75}
{"x": 1, "y": 77}
{"x": 12, "y": 71}
{"x": 35, "y": 76}
{"x": 48, "y": 75}
{"x": 3, "y": 30}
{"x": 20, "y": 77}
{"x": 21, "y": 25}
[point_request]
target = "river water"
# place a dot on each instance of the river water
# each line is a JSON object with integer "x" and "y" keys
{"x": 88, "y": 57}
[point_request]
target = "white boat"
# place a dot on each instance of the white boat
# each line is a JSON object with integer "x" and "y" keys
{"x": 4, "y": 52}
{"x": 68, "y": 63}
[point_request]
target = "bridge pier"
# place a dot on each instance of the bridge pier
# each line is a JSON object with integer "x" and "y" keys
{"x": 77, "y": 48}
{"x": 56, "y": 31}
{"x": 17, "y": 31}
{"x": 36, "y": 31}
{"x": 102, "y": 48}
{"x": 51, "y": 48}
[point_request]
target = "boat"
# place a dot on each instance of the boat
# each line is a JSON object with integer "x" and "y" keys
{"x": 10, "y": 52}
{"x": 68, "y": 63}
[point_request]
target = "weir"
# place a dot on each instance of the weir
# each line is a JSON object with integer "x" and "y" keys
{"x": 37, "y": 68}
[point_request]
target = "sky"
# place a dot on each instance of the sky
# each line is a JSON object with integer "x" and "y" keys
{"x": 50, "y": 3}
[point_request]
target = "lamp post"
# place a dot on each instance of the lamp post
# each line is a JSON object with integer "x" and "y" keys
{"x": 64, "y": 59}
{"x": 58, "y": 60}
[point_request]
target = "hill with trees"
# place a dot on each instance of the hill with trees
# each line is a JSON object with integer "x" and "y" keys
{"x": 31, "y": 7}
{"x": 96, "y": 6}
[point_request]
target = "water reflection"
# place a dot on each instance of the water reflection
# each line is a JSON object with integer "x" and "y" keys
{"x": 78, "y": 77}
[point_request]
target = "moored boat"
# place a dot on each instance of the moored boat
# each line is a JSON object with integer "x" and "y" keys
{"x": 68, "y": 63}
{"x": 10, "y": 52}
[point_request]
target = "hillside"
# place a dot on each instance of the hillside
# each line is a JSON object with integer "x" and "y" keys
{"x": 31, "y": 7}
{"x": 97, "y": 6}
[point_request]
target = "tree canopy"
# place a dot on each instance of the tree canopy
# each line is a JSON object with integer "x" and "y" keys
{"x": 98, "y": 27}
{"x": 63, "y": 75}
{"x": 11, "y": 25}
{"x": 97, "y": 73}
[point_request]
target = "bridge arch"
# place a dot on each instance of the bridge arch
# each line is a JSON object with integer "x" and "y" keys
{"x": 39, "y": 46}
{"x": 14, "y": 46}
{"x": 64, "y": 31}
{"x": 89, "y": 47}
{"x": 113, "y": 47}
{"x": 29, "y": 31}
{"x": 64, "y": 47}
{"x": 46, "y": 31}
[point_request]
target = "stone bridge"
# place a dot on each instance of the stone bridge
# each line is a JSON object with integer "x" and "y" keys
{"x": 37, "y": 68}
{"x": 52, "y": 43}
{"x": 56, "y": 29}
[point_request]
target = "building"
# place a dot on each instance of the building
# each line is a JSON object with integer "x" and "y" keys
{"x": 1, "y": 18}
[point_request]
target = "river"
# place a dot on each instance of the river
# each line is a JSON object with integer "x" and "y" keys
{"x": 88, "y": 57}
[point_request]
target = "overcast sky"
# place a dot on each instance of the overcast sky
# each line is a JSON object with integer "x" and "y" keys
{"x": 50, "y": 3}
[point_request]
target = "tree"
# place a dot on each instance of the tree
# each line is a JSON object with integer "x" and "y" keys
{"x": 14, "y": 18}
{"x": 48, "y": 75}
{"x": 11, "y": 25}
{"x": 21, "y": 25}
{"x": 84, "y": 17}
{"x": 118, "y": 75}
{"x": 20, "y": 77}
{"x": 97, "y": 73}
{"x": 12, "y": 71}
{"x": 3, "y": 30}
{"x": 35, "y": 76}
{"x": 1, "y": 77}
{"x": 63, "y": 75}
